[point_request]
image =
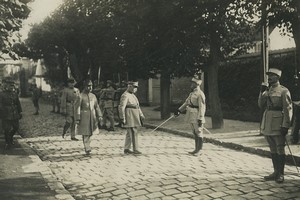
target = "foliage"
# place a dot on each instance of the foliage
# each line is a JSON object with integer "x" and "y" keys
{"x": 11, "y": 15}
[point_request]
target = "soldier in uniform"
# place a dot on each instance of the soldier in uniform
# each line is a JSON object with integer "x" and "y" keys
{"x": 55, "y": 99}
{"x": 69, "y": 95}
{"x": 88, "y": 115}
{"x": 195, "y": 115}
{"x": 295, "y": 92}
{"x": 36, "y": 94}
{"x": 108, "y": 107}
{"x": 131, "y": 117}
{"x": 277, "y": 105}
{"x": 10, "y": 111}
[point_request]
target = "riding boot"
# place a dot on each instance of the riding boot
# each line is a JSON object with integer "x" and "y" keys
{"x": 66, "y": 127}
{"x": 196, "y": 145}
{"x": 271, "y": 177}
{"x": 199, "y": 146}
{"x": 281, "y": 162}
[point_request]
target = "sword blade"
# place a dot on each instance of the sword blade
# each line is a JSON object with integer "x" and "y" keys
{"x": 162, "y": 123}
{"x": 287, "y": 144}
{"x": 206, "y": 130}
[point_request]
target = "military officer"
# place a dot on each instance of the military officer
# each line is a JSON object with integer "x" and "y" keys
{"x": 10, "y": 111}
{"x": 87, "y": 115}
{"x": 277, "y": 105}
{"x": 195, "y": 115}
{"x": 69, "y": 95}
{"x": 36, "y": 95}
{"x": 108, "y": 106}
{"x": 131, "y": 117}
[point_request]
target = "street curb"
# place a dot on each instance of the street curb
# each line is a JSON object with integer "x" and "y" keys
{"x": 46, "y": 172}
{"x": 229, "y": 145}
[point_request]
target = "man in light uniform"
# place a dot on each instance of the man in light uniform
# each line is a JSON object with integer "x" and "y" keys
{"x": 277, "y": 105}
{"x": 195, "y": 115}
{"x": 131, "y": 117}
{"x": 69, "y": 95}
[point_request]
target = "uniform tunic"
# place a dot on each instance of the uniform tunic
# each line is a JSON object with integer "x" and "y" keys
{"x": 195, "y": 106}
{"x": 277, "y": 104}
{"x": 88, "y": 113}
{"x": 68, "y": 98}
{"x": 129, "y": 109}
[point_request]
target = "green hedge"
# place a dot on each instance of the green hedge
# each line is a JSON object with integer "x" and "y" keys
{"x": 239, "y": 84}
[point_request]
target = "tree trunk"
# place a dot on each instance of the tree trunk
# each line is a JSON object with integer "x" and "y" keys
{"x": 213, "y": 89}
{"x": 165, "y": 97}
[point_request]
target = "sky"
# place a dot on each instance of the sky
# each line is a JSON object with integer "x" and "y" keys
{"x": 40, "y": 9}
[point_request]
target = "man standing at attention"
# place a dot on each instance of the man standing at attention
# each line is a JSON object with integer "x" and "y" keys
{"x": 195, "y": 115}
{"x": 131, "y": 117}
{"x": 277, "y": 105}
{"x": 69, "y": 95}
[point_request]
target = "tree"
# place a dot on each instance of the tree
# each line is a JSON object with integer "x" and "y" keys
{"x": 286, "y": 14}
{"x": 11, "y": 15}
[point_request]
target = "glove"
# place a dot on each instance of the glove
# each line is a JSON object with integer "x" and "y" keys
{"x": 199, "y": 122}
{"x": 284, "y": 131}
{"x": 263, "y": 87}
{"x": 177, "y": 113}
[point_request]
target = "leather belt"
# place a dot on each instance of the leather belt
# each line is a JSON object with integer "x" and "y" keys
{"x": 192, "y": 106}
{"x": 132, "y": 106}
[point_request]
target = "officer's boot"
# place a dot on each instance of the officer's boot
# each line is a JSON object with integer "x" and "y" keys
{"x": 7, "y": 140}
{"x": 281, "y": 162}
{"x": 196, "y": 145}
{"x": 66, "y": 127}
{"x": 199, "y": 146}
{"x": 11, "y": 137}
{"x": 272, "y": 176}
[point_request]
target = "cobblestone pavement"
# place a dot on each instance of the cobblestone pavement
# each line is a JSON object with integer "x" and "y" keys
{"x": 163, "y": 171}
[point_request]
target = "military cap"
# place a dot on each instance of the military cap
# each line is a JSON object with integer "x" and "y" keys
{"x": 196, "y": 79}
{"x": 133, "y": 83}
{"x": 274, "y": 71}
{"x": 87, "y": 82}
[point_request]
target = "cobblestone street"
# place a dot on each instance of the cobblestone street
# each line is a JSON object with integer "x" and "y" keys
{"x": 163, "y": 171}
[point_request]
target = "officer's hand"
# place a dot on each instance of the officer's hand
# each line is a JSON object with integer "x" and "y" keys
{"x": 263, "y": 87}
{"x": 177, "y": 113}
{"x": 199, "y": 122}
{"x": 284, "y": 131}
{"x": 77, "y": 122}
{"x": 142, "y": 117}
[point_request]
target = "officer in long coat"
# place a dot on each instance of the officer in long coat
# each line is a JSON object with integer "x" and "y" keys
{"x": 68, "y": 98}
{"x": 195, "y": 115}
{"x": 88, "y": 115}
{"x": 10, "y": 111}
{"x": 36, "y": 95}
{"x": 131, "y": 117}
{"x": 277, "y": 105}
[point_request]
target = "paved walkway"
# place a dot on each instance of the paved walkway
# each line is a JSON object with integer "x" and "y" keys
{"x": 163, "y": 171}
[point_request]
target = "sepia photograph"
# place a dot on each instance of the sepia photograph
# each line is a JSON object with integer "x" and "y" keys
{"x": 149, "y": 99}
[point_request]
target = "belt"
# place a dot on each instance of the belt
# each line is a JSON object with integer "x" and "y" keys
{"x": 192, "y": 106}
{"x": 274, "y": 108}
{"x": 132, "y": 106}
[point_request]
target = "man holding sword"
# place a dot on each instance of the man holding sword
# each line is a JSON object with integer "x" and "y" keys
{"x": 195, "y": 115}
{"x": 276, "y": 102}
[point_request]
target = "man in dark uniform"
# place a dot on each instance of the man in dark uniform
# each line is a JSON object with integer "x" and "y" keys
{"x": 36, "y": 95}
{"x": 277, "y": 105}
{"x": 108, "y": 107}
{"x": 69, "y": 95}
{"x": 10, "y": 111}
{"x": 295, "y": 92}
{"x": 195, "y": 115}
